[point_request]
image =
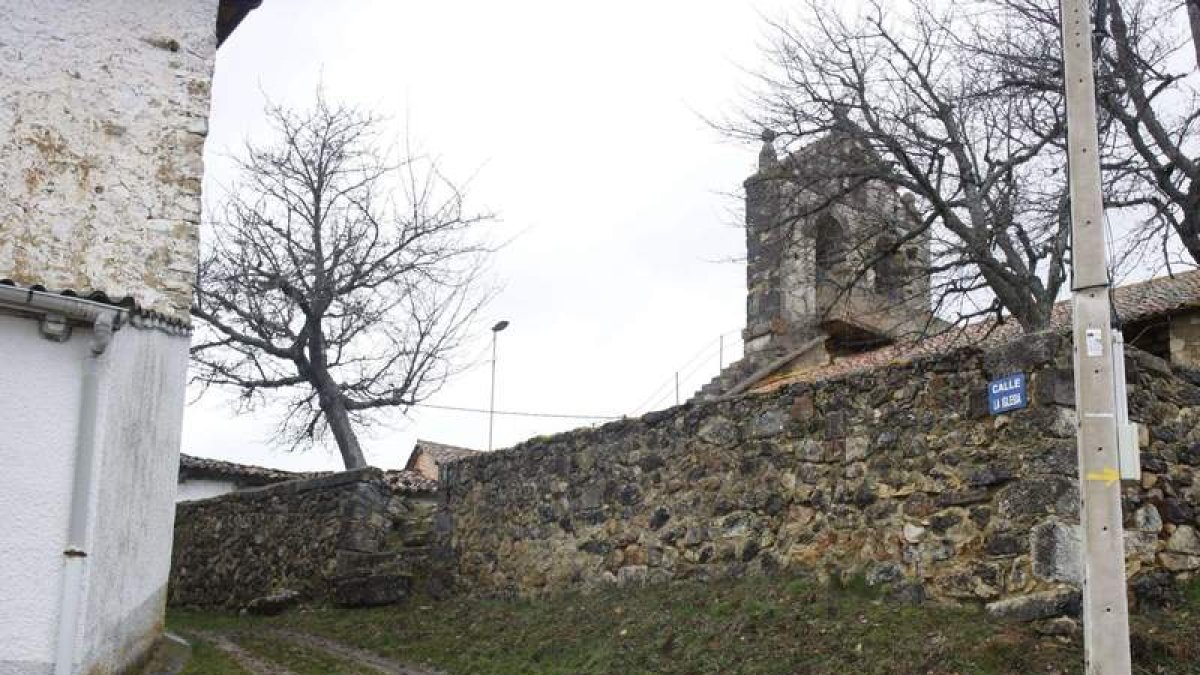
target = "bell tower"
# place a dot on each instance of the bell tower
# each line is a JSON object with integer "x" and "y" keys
{"x": 827, "y": 257}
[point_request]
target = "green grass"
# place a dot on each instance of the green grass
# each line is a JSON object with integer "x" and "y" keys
{"x": 752, "y": 626}
{"x": 208, "y": 660}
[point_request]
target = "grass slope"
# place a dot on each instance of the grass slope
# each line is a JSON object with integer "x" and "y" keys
{"x": 751, "y": 626}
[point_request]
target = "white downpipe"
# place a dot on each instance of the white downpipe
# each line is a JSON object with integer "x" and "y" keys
{"x": 75, "y": 554}
{"x": 68, "y": 615}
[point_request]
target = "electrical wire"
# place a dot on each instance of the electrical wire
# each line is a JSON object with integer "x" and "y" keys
{"x": 1111, "y": 243}
{"x": 686, "y": 370}
{"x": 513, "y": 413}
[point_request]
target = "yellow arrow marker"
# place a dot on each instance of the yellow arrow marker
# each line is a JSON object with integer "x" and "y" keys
{"x": 1108, "y": 476}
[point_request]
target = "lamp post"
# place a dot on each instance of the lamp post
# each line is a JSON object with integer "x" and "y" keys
{"x": 500, "y": 325}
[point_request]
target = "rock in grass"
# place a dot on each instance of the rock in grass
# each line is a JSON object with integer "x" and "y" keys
{"x": 1035, "y": 606}
{"x": 275, "y": 603}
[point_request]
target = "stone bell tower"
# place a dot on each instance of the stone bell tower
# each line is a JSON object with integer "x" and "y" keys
{"x": 828, "y": 259}
{"x": 834, "y": 265}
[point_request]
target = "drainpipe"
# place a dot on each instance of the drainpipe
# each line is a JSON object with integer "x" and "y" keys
{"x": 75, "y": 554}
{"x": 57, "y": 312}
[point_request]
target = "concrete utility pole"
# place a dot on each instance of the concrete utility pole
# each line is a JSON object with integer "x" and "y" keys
{"x": 1105, "y": 610}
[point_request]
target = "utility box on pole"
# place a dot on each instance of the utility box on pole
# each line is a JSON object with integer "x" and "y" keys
{"x": 1105, "y": 608}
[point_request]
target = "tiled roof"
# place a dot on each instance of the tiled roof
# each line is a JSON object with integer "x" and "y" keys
{"x": 440, "y": 452}
{"x": 1137, "y": 302}
{"x": 248, "y": 475}
{"x": 242, "y": 474}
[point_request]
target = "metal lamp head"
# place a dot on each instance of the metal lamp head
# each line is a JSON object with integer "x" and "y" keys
{"x": 499, "y": 326}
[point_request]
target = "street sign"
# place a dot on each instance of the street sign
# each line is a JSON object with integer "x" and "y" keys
{"x": 1007, "y": 393}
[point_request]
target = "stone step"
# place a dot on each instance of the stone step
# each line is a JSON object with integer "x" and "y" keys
{"x": 357, "y": 562}
{"x": 728, "y": 378}
{"x": 371, "y": 590}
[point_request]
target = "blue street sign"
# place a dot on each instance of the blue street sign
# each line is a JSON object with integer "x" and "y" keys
{"x": 1007, "y": 393}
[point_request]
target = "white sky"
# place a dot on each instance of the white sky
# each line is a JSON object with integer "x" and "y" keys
{"x": 582, "y": 124}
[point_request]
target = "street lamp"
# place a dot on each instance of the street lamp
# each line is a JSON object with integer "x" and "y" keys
{"x": 501, "y": 325}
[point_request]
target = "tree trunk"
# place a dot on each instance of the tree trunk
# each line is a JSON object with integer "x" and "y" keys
{"x": 329, "y": 396}
{"x": 343, "y": 432}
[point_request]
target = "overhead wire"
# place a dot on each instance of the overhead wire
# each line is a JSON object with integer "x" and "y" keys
{"x": 1111, "y": 243}
{"x": 514, "y": 413}
{"x": 689, "y": 368}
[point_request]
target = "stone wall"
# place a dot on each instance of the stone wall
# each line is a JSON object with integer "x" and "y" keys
{"x": 898, "y": 474}
{"x": 345, "y": 538}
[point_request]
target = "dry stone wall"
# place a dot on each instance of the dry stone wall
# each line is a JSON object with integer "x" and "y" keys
{"x": 899, "y": 474}
{"x": 347, "y": 538}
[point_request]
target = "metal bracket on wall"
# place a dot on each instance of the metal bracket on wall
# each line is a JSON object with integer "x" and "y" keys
{"x": 55, "y": 327}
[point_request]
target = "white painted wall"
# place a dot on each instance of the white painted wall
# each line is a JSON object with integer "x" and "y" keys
{"x": 203, "y": 488}
{"x": 140, "y": 410}
{"x": 141, "y": 418}
{"x": 40, "y": 390}
{"x": 103, "y": 115}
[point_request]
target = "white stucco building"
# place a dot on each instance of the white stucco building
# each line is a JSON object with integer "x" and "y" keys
{"x": 103, "y": 113}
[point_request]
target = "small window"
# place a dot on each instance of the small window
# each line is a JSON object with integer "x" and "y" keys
{"x": 830, "y": 245}
{"x": 888, "y": 265}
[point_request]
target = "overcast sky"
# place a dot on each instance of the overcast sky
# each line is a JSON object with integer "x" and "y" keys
{"x": 582, "y": 126}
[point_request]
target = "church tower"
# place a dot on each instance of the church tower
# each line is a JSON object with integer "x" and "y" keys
{"x": 837, "y": 261}
{"x": 834, "y": 265}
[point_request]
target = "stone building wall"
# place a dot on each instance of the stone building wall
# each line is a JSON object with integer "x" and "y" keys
{"x": 898, "y": 474}
{"x": 1184, "y": 339}
{"x": 103, "y": 114}
{"x": 345, "y": 538}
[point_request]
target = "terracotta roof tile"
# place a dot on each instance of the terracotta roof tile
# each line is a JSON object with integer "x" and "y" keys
{"x": 1136, "y": 302}
{"x": 442, "y": 453}
{"x": 243, "y": 474}
{"x": 247, "y": 475}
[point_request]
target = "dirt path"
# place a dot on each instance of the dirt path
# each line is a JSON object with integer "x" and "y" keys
{"x": 361, "y": 657}
{"x": 226, "y": 642}
{"x": 248, "y": 661}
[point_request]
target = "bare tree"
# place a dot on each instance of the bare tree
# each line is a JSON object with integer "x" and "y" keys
{"x": 983, "y": 170}
{"x": 337, "y": 278}
{"x": 1153, "y": 93}
{"x": 1148, "y": 89}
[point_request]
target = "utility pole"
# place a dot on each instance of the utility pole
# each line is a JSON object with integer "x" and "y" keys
{"x": 492, "y": 403}
{"x": 1105, "y": 609}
